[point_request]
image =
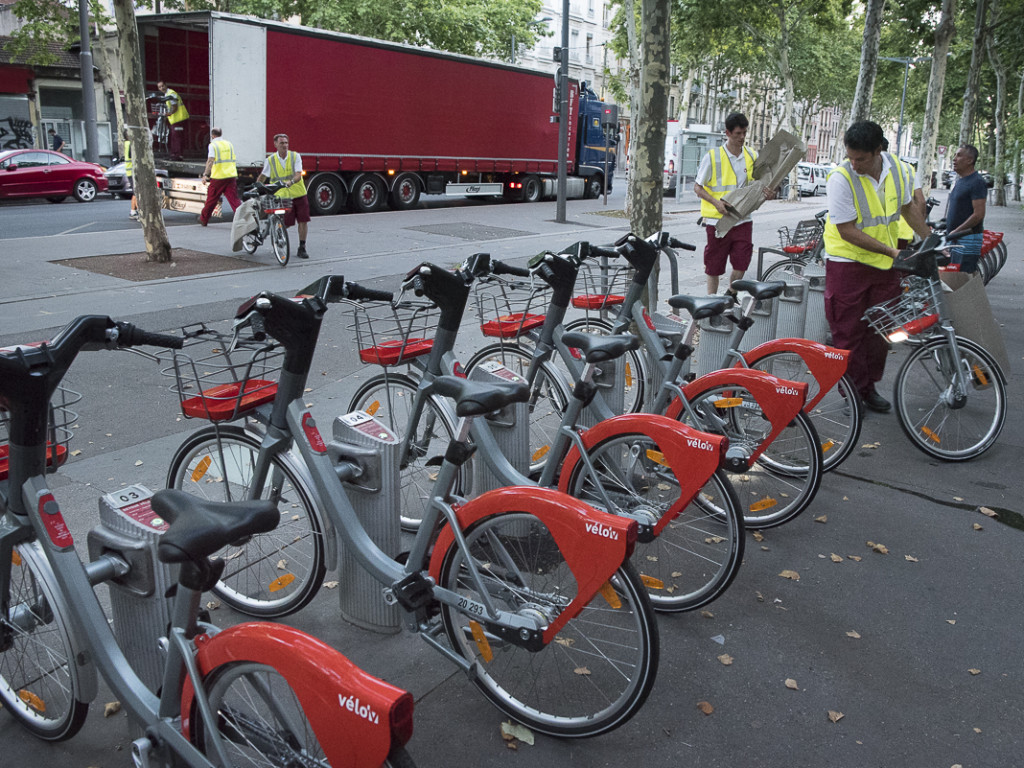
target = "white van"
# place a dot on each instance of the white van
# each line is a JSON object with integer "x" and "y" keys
{"x": 811, "y": 178}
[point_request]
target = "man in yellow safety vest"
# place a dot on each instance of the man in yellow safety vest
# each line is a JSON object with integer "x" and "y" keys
{"x": 866, "y": 197}
{"x": 129, "y": 176}
{"x": 722, "y": 170}
{"x": 285, "y": 165}
{"x": 176, "y": 113}
{"x": 221, "y": 173}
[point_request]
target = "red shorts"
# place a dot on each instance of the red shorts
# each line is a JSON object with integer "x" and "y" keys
{"x": 299, "y": 211}
{"x": 737, "y": 247}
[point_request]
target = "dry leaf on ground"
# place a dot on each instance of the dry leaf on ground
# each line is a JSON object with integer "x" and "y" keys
{"x": 880, "y": 548}
{"x": 510, "y": 730}
{"x": 792, "y": 684}
{"x": 791, "y": 575}
{"x": 836, "y": 558}
{"x": 707, "y": 614}
{"x": 705, "y": 707}
{"x": 854, "y": 634}
{"x": 977, "y": 527}
{"x": 822, "y": 519}
{"x": 834, "y": 716}
{"x": 987, "y": 512}
{"x": 974, "y": 671}
{"x": 726, "y": 659}
{"x": 111, "y": 708}
{"x": 911, "y": 559}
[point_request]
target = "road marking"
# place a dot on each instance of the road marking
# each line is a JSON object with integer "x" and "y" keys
{"x": 75, "y": 229}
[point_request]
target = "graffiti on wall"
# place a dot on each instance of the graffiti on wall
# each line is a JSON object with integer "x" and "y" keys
{"x": 15, "y": 133}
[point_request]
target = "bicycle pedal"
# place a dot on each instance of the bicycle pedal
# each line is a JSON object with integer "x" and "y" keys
{"x": 413, "y": 592}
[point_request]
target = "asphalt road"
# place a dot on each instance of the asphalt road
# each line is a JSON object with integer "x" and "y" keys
{"x": 917, "y": 648}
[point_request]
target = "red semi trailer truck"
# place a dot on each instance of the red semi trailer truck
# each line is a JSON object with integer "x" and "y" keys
{"x": 376, "y": 123}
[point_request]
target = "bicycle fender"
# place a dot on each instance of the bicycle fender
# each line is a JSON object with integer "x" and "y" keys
{"x": 349, "y": 710}
{"x": 826, "y": 364}
{"x": 593, "y": 543}
{"x": 692, "y": 455}
{"x": 779, "y": 399}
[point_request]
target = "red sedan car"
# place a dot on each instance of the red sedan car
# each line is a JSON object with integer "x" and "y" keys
{"x": 42, "y": 173}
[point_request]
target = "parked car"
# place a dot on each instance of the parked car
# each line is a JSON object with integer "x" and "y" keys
{"x": 811, "y": 178}
{"x": 42, "y": 173}
{"x": 989, "y": 181}
{"x": 948, "y": 178}
{"x": 120, "y": 183}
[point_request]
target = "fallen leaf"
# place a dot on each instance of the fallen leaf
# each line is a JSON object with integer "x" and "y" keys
{"x": 707, "y": 614}
{"x": 331, "y": 584}
{"x": 836, "y": 558}
{"x": 978, "y": 527}
{"x": 880, "y": 548}
{"x": 976, "y": 730}
{"x": 822, "y": 519}
{"x": 510, "y": 730}
{"x": 987, "y": 512}
{"x": 758, "y": 536}
{"x": 911, "y": 559}
{"x": 854, "y": 634}
{"x": 974, "y": 671}
{"x": 714, "y": 540}
{"x": 792, "y": 684}
{"x": 705, "y": 707}
{"x": 855, "y": 558}
{"x": 791, "y": 575}
{"x": 75, "y": 453}
{"x": 138, "y": 463}
{"x": 652, "y": 558}
{"x": 213, "y": 605}
{"x": 834, "y": 716}
{"x": 568, "y": 642}
{"x": 951, "y": 621}
{"x": 581, "y": 671}
{"x": 511, "y": 745}
{"x": 869, "y": 445}
{"x": 111, "y": 708}
{"x": 846, "y": 498}
{"x": 958, "y": 498}
{"x": 760, "y": 597}
{"x": 726, "y": 659}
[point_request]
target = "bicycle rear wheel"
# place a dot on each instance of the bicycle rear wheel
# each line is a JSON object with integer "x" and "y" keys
{"x": 950, "y": 425}
{"x": 390, "y": 398}
{"x": 39, "y": 678}
{"x": 271, "y": 574}
{"x": 279, "y": 240}
{"x": 549, "y": 397}
{"x": 785, "y": 478}
{"x": 251, "y": 242}
{"x": 599, "y": 669}
{"x": 698, "y": 554}
{"x": 837, "y": 417}
{"x": 792, "y": 266}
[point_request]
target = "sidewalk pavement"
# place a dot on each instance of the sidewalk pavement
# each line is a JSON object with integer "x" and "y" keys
{"x": 892, "y": 642}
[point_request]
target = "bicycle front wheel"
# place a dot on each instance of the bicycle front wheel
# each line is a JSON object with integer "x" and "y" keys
{"x": 785, "y": 478}
{"x": 698, "y": 554}
{"x": 635, "y": 377}
{"x": 837, "y": 417}
{"x": 391, "y": 398}
{"x": 250, "y": 242}
{"x": 549, "y": 397}
{"x": 271, "y": 574}
{"x": 939, "y": 419}
{"x": 599, "y": 669}
{"x": 39, "y": 679}
{"x": 792, "y": 266}
{"x": 279, "y": 240}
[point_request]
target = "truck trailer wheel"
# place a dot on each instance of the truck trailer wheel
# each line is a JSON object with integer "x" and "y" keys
{"x": 405, "y": 194}
{"x": 594, "y": 186}
{"x": 367, "y": 194}
{"x": 326, "y": 195}
{"x": 532, "y": 189}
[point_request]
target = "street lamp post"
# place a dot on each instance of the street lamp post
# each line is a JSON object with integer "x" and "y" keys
{"x": 906, "y": 61}
{"x": 534, "y": 23}
{"x": 563, "y": 118}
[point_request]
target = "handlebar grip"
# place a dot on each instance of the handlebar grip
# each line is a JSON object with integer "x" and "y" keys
{"x": 599, "y": 250}
{"x": 501, "y": 268}
{"x": 360, "y": 293}
{"x": 130, "y": 336}
{"x": 679, "y": 245}
{"x": 418, "y": 287}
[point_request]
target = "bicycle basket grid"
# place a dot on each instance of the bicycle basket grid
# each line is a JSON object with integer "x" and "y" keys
{"x": 604, "y": 286}
{"x": 510, "y": 307}
{"x": 271, "y": 203}
{"x": 392, "y": 334}
{"x": 58, "y": 430}
{"x": 802, "y": 238}
{"x": 913, "y": 311}
{"x": 220, "y": 381}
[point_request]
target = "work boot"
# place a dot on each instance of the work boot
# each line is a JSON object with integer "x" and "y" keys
{"x": 301, "y": 253}
{"x": 875, "y": 401}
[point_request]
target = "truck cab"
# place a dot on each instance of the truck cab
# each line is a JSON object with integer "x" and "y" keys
{"x": 597, "y": 142}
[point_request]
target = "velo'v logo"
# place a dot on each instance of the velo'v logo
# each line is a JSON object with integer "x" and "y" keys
{"x": 352, "y": 704}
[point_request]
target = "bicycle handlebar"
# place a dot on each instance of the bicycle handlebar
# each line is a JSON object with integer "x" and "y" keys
{"x": 129, "y": 335}
{"x": 501, "y": 268}
{"x": 679, "y": 245}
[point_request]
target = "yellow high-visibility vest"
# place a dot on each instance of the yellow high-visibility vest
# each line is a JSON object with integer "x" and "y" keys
{"x": 283, "y": 171}
{"x": 724, "y": 181}
{"x": 127, "y": 157}
{"x": 180, "y": 113}
{"x": 223, "y": 160}
{"x": 879, "y": 218}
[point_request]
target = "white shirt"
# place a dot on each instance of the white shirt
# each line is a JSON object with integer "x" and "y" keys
{"x": 739, "y": 167}
{"x": 296, "y": 167}
{"x": 839, "y": 194}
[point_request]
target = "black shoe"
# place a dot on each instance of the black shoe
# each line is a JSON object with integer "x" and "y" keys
{"x": 876, "y": 402}
{"x": 301, "y": 254}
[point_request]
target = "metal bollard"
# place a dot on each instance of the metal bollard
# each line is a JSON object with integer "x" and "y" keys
{"x": 376, "y": 496}
{"x": 815, "y": 324}
{"x": 140, "y": 610}
{"x": 510, "y": 427}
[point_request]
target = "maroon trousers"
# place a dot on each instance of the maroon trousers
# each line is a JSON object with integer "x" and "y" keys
{"x": 218, "y": 187}
{"x": 850, "y": 288}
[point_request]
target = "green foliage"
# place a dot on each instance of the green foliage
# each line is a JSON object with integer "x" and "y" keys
{"x": 48, "y": 24}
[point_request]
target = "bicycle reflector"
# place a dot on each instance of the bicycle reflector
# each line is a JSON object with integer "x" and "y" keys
{"x": 401, "y": 720}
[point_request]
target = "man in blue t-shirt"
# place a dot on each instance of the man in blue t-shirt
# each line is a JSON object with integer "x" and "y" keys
{"x": 965, "y": 209}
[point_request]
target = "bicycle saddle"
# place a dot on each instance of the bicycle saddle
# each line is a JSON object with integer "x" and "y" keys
{"x": 475, "y": 398}
{"x": 700, "y": 307}
{"x": 199, "y": 527}
{"x": 597, "y": 349}
{"x": 760, "y": 290}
